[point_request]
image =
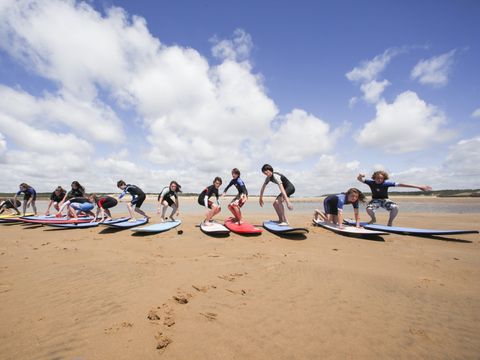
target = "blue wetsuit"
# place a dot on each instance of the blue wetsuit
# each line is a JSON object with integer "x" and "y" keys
{"x": 333, "y": 204}
{"x": 29, "y": 193}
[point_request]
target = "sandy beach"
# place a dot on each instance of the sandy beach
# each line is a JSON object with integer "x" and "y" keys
{"x": 98, "y": 294}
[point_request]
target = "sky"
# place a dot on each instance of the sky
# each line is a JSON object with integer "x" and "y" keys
{"x": 154, "y": 91}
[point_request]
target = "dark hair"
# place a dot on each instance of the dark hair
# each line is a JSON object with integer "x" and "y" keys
{"x": 267, "y": 167}
{"x": 24, "y": 185}
{"x": 380, "y": 172}
{"x": 95, "y": 197}
{"x": 60, "y": 188}
{"x": 179, "y": 187}
{"x": 120, "y": 183}
{"x": 77, "y": 184}
{"x": 218, "y": 178}
{"x": 361, "y": 196}
{"x": 236, "y": 171}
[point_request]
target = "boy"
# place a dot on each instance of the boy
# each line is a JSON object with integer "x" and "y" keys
{"x": 138, "y": 197}
{"x": 333, "y": 207}
{"x": 10, "y": 204}
{"x": 379, "y": 187}
{"x": 240, "y": 198}
{"x": 286, "y": 189}
{"x": 204, "y": 200}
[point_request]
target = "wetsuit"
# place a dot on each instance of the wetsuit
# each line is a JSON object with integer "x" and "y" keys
{"x": 29, "y": 193}
{"x": 278, "y": 179}
{"x": 333, "y": 204}
{"x": 241, "y": 188}
{"x": 167, "y": 195}
{"x": 106, "y": 202}
{"x": 206, "y": 194}
{"x": 138, "y": 196}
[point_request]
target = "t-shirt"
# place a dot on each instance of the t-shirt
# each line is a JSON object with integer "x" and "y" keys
{"x": 342, "y": 200}
{"x": 379, "y": 191}
{"x": 57, "y": 198}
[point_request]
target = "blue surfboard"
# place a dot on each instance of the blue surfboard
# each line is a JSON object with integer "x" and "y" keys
{"x": 127, "y": 224}
{"x": 115, "y": 221}
{"x": 157, "y": 228}
{"x": 410, "y": 231}
{"x": 273, "y": 227}
{"x": 83, "y": 225}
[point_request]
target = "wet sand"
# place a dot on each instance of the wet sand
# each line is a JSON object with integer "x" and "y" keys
{"x": 95, "y": 294}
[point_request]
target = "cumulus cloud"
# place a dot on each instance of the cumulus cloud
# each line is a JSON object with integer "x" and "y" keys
{"x": 368, "y": 70}
{"x": 464, "y": 158}
{"x": 301, "y": 135}
{"x": 373, "y": 89}
{"x": 476, "y": 113}
{"x": 237, "y": 49}
{"x": 408, "y": 124}
{"x": 435, "y": 70}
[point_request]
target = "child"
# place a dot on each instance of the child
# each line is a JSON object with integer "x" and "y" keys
{"x": 75, "y": 206}
{"x": 76, "y": 190}
{"x": 56, "y": 198}
{"x": 204, "y": 200}
{"x": 168, "y": 197}
{"x": 29, "y": 197}
{"x": 286, "y": 190}
{"x": 10, "y": 204}
{"x": 104, "y": 203}
{"x": 240, "y": 198}
{"x": 379, "y": 187}
{"x": 333, "y": 207}
{"x": 138, "y": 197}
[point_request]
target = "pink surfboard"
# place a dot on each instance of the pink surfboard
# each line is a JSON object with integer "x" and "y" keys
{"x": 245, "y": 228}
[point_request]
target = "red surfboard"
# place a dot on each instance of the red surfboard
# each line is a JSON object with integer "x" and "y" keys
{"x": 58, "y": 220}
{"x": 245, "y": 228}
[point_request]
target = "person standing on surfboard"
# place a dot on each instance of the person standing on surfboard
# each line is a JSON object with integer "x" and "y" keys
{"x": 286, "y": 190}
{"x": 333, "y": 207}
{"x": 56, "y": 197}
{"x": 169, "y": 197}
{"x": 213, "y": 208}
{"x": 240, "y": 199}
{"x": 138, "y": 197}
{"x": 379, "y": 187}
{"x": 29, "y": 197}
{"x": 104, "y": 203}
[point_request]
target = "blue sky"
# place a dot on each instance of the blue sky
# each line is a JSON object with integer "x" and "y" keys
{"x": 152, "y": 91}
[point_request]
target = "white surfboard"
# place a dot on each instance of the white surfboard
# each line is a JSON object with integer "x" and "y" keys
{"x": 348, "y": 230}
{"x": 214, "y": 229}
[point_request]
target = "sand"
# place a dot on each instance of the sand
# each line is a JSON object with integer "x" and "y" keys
{"x": 94, "y": 294}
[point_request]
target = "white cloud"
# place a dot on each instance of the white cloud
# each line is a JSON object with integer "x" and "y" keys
{"x": 370, "y": 69}
{"x": 373, "y": 89}
{"x": 464, "y": 159}
{"x": 353, "y": 100}
{"x": 300, "y": 136}
{"x": 236, "y": 49}
{"x": 476, "y": 113}
{"x": 435, "y": 70}
{"x": 408, "y": 124}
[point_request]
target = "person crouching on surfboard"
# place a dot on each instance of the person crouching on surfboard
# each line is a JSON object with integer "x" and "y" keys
{"x": 138, "y": 197}
{"x": 169, "y": 197}
{"x": 56, "y": 197}
{"x": 104, "y": 203}
{"x": 29, "y": 197}
{"x": 240, "y": 199}
{"x": 333, "y": 207}
{"x": 379, "y": 187}
{"x": 75, "y": 206}
{"x": 213, "y": 208}
{"x": 286, "y": 190}
{"x": 11, "y": 205}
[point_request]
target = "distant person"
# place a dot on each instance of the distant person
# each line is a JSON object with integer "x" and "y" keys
{"x": 77, "y": 205}
{"x": 240, "y": 199}
{"x": 169, "y": 197}
{"x": 29, "y": 197}
{"x": 10, "y": 204}
{"x": 205, "y": 199}
{"x": 286, "y": 190}
{"x": 138, "y": 197}
{"x": 379, "y": 187}
{"x": 56, "y": 198}
{"x": 333, "y": 207}
{"x": 104, "y": 204}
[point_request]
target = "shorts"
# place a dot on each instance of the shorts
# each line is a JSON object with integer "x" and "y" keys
{"x": 289, "y": 190}
{"x": 27, "y": 197}
{"x": 86, "y": 206}
{"x": 138, "y": 200}
{"x": 330, "y": 205}
{"x": 109, "y": 203}
{"x": 9, "y": 204}
{"x": 209, "y": 204}
{"x": 169, "y": 201}
{"x": 387, "y": 204}
{"x": 238, "y": 201}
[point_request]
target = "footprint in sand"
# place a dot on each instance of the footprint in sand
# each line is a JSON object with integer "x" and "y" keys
{"x": 209, "y": 315}
{"x": 152, "y": 315}
{"x": 231, "y": 277}
{"x": 204, "y": 288}
{"x": 162, "y": 340}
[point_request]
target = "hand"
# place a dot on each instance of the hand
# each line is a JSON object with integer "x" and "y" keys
{"x": 47, "y": 213}
{"x": 425, "y": 188}
{"x": 177, "y": 213}
{"x": 290, "y": 206}
{"x": 360, "y": 177}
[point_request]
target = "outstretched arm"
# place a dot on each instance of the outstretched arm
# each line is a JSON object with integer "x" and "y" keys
{"x": 420, "y": 187}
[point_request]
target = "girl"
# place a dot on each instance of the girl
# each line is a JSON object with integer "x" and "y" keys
{"x": 104, "y": 203}
{"x": 240, "y": 198}
{"x": 56, "y": 198}
{"x": 286, "y": 190}
{"x": 168, "y": 197}
{"x": 204, "y": 200}
{"x": 29, "y": 197}
{"x": 77, "y": 205}
{"x": 333, "y": 207}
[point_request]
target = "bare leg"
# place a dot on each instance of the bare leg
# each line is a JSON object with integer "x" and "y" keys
{"x": 164, "y": 209}
{"x": 278, "y": 205}
{"x": 130, "y": 210}
{"x": 371, "y": 212}
{"x": 34, "y": 207}
{"x": 141, "y": 212}
{"x": 174, "y": 210}
{"x": 393, "y": 215}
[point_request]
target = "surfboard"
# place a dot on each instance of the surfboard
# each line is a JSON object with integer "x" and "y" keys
{"x": 55, "y": 220}
{"x": 214, "y": 229}
{"x": 348, "y": 230}
{"x": 13, "y": 216}
{"x": 412, "y": 231}
{"x": 273, "y": 227}
{"x": 157, "y": 228}
{"x": 245, "y": 228}
{"x": 114, "y": 221}
{"x": 127, "y": 224}
{"x": 82, "y": 225}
